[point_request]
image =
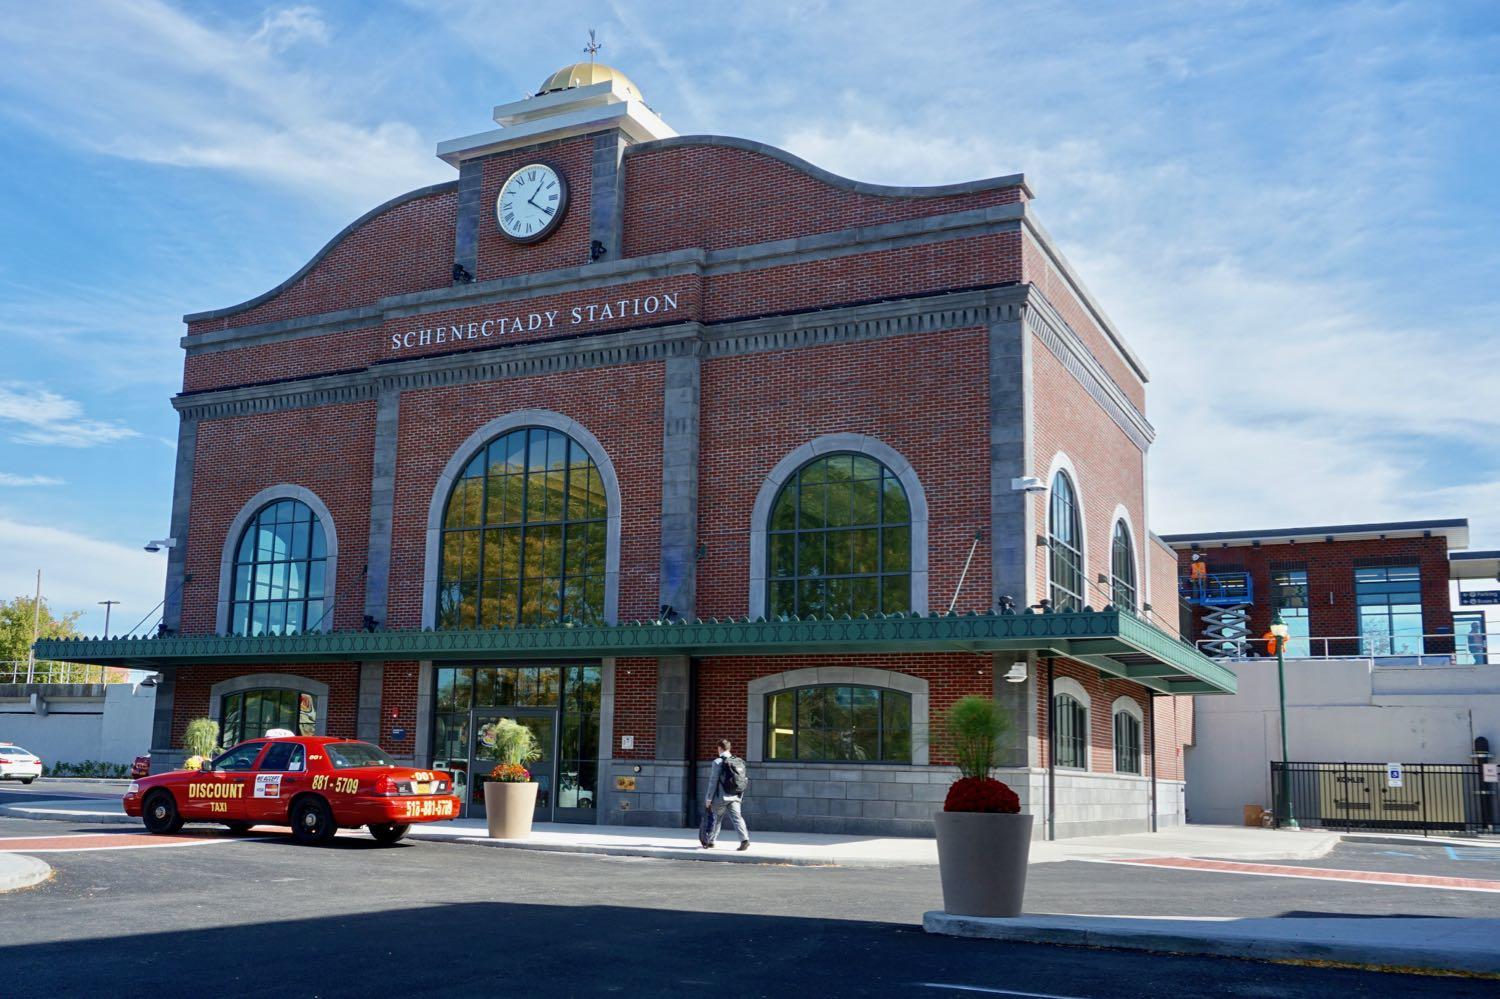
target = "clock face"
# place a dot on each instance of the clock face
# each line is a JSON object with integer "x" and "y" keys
{"x": 531, "y": 203}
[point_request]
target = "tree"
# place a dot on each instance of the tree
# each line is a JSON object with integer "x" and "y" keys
{"x": 16, "y": 636}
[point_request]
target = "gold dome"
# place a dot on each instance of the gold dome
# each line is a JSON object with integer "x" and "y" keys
{"x": 582, "y": 74}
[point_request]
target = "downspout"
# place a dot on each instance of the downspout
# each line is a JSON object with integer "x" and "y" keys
{"x": 1051, "y": 757}
{"x": 1151, "y": 723}
{"x": 692, "y": 812}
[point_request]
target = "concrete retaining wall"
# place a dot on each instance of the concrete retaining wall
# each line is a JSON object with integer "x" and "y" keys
{"x": 73, "y": 722}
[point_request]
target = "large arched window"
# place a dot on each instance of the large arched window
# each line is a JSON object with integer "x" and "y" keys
{"x": 1127, "y": 736}
{"x": 1122, "y": 568}
{"x": 839, "y": 540}
{"x": 1065, "y": 544}
{"x": 250, "y": 714}
{"x": 280, "y": 569}
{"x": 839, "y": 724}
{"x": 1070, "y": 720}
{"x": 524, "y": 535}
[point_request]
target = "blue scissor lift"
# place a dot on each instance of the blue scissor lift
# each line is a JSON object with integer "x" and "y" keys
{"x": 1225, "y": 599}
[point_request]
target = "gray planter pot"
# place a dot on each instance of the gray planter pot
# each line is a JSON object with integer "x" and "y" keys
{"x": 982, "y": 859}
{"x": 508, "y": 809}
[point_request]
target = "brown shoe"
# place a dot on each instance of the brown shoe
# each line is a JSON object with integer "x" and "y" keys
{"x": 744, "y": 845}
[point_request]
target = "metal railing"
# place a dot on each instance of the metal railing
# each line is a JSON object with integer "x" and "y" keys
{"x": 1442, "y": 798}
{"x": 1434, "y": 649}
{"x": 44, "y": 671}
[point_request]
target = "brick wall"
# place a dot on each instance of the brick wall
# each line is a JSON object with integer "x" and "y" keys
{"x": 722, "y": 682}
{"x": 758, "y": 408}
{"x": 403, "y": 249}
{"x": 1103, "y": 690}
{"x": 1174, "y": 730}
{"x": 1330, "y": 569}
{"x": 754, "y": 198}
{"x": 327, "y": 449}
{"x": 398, "y": 708}
{"x": 1110, "y": 471}
{"x": 635, "y": 708}
{"x": 621, "y": 406}
{"x": 568, "y": 245}
{"x": 1164, "y": 603}
{"x": 191, "y": 694}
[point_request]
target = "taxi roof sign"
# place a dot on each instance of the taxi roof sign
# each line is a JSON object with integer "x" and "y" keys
{"x": 279, "y": 733}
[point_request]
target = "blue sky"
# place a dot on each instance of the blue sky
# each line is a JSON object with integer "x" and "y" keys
{"x": 1288, "y": 209}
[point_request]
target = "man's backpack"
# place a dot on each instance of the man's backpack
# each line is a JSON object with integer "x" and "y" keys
{"x": 733, "y": 779}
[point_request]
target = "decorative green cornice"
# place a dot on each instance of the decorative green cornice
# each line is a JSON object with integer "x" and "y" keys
{"x": 1096, "y": 637}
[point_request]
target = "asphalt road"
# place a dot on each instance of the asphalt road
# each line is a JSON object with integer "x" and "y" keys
{"x": 266, "y": 917}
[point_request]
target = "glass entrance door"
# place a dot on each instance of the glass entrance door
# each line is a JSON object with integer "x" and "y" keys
{"x": 484, "y": 757}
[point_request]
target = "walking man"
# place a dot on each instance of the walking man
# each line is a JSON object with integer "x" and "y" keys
{"x": 727, "y": 781}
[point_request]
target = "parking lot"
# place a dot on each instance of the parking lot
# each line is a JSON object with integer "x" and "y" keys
{"x": 260, "y": 915}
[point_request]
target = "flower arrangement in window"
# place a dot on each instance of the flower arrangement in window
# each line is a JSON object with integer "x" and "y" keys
{"x": 975, "y": 724}
{"x": 510, "y": 773}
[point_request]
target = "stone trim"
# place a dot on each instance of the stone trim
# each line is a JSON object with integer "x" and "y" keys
{"x": 400, "y": 199}
{"x": 861, "y": 676}
{"x": 834, "y": 444}
{"x": 466, "y": 219}
{"x": 270, "y": 494}
{"x": 465, "y": 453}
{"x": 382, "y": 505}
{"x": 182, "y": 498}
{"x": 272, "y": 681}
{"x": 1068, "y": 347}
{"x": 830, "y": 178}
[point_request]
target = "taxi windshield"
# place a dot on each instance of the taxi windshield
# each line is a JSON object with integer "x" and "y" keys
{"x": 346, "y": 755}
{"x": 13, "y": 751}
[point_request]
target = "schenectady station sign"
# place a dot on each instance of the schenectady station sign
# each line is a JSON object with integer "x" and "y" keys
{"x": 641, "y": 306}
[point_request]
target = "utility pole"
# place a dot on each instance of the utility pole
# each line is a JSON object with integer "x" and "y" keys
{"x": 108, "y": 604}
{"x": 36, "y": 627}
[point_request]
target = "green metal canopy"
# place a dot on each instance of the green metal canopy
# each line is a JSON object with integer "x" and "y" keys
{"x": 1118, "y": 643}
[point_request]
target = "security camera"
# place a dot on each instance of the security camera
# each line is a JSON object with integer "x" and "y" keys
{"x": 160, "y": 543}
{"x": 1028, "y": 484}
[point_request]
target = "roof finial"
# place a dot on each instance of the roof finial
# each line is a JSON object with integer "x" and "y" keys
{"x": 593, "y": 46}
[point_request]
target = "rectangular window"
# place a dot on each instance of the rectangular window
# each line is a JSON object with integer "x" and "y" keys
{"x": 1289, "y": 596}
{"x": 1389, "y": 600}
{"x": 1127, "y": 743}
{"x": 838, "y": 724}
{"x": 1072, "y": 732}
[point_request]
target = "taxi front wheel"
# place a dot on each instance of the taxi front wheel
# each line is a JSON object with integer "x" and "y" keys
{"x": 312, "y": 821}
{"x": 386, "y": 833}
{"x": 160, "y": 813}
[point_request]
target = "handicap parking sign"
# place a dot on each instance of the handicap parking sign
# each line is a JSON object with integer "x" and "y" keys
{"x": 1393, "y": 775}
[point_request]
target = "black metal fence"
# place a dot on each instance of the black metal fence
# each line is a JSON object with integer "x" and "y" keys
{"x": 1443, "y": 798}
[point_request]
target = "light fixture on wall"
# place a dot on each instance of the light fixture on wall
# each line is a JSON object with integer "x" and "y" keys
{"x": 1017, "y": 672}
{"x": 160, "y": 543}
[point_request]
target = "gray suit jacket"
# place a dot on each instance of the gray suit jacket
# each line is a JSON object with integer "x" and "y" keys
{"x": 715, "y": 784}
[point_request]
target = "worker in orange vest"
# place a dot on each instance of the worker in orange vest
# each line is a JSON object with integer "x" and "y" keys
{"x": 1271, "y": 642}
{"x": 1198, "y": 574}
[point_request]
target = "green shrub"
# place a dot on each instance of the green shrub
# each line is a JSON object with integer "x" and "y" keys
{"x": 201, "y": 737}
{"x": 88, "y": 768}
{"x": 974, "y": 725}
{"x": 515, "y": 743}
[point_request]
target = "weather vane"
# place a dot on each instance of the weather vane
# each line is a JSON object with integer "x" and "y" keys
{"x": 593, "y": 46}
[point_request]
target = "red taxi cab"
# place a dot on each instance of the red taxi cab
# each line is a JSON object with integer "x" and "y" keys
{"x": 315, "y": 784}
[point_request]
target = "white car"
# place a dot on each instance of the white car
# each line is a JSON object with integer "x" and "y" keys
{"x": 17, "y": 764}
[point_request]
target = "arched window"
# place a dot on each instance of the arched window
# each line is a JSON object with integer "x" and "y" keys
{"x": 524, "y": 535}
{"x": 1070, "y": 720}
{"x": 839, "y": 540}
{"x": 1127, "y": 737}
{"x": 1065, "y": 544}
{"x": 280, "y": 568}
{"x": 1122, "y": 568}
{"x": 250, "y": 714}
{"x": 839, "y": 724}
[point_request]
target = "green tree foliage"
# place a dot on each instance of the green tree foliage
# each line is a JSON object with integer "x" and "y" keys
{"x": 16, "y": 636}
{"x": 975, "y": 725}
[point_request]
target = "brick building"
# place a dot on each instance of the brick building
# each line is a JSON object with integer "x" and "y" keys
{"x": 1378, "y": 590}
{"x": 644, "y": 440}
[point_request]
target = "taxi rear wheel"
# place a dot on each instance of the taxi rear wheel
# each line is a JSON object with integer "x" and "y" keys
{"x": 387, "y": 833}
{"x": 160, "y": 813}
{"x": 312, "y": 821}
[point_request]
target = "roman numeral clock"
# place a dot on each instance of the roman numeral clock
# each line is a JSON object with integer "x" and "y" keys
{"x": 531, "y": 203}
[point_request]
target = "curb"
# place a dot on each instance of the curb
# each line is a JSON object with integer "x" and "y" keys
{"x": 63, "y": 815}
{"x": 654, "y": 853}
{"x": 18, "y": 871}
{"x": 1396, "y": 840}
{"x": 1203, "y": 939}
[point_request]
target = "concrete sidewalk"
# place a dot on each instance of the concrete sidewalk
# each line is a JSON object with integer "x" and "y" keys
{"x": 1467, "y": 945}
{"x": 799, "y": 849}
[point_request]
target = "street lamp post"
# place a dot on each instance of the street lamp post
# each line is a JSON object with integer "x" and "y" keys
{"x": 1279, "y": 633}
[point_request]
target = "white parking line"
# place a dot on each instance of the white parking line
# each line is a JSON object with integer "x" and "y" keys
{"x": 992, "y": 992}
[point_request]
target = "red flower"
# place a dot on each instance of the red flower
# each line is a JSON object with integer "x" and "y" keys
{"x": 981, "y": 794}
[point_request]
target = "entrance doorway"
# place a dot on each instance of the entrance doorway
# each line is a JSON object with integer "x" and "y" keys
{"x": 560, "y": 703}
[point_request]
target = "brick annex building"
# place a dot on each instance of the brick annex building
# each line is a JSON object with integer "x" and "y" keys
{"x": 645, "y": 440}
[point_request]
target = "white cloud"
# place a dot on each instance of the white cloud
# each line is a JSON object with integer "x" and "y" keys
{"x": 13, "y": 481}
{"x": 78, "y": 571}
{"x": 145, "y": 81}
{"x": 281, "y": 29}
{"x": 35, "y": 415}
